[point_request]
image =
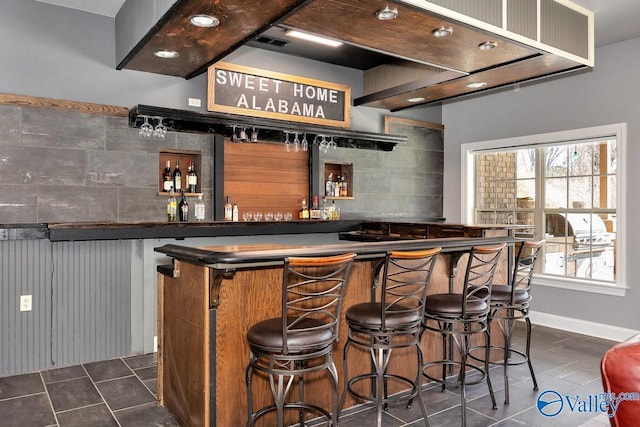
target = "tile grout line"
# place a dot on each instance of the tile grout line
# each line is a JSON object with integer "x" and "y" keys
{"x": 102, "y": 397}
{"x": 46, "y": 391}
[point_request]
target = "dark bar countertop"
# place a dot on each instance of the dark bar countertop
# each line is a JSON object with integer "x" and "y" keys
{"x": 348, "y": 229}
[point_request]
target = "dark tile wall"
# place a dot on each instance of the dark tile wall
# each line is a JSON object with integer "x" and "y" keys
{"x": 60, "y": 166}
{"x": 404, "y": 183}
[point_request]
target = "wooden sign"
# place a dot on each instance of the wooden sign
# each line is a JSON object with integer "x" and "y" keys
{"x": 259, "y": 93}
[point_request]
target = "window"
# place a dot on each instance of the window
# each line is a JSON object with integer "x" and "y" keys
{"x": 565, "y": 186}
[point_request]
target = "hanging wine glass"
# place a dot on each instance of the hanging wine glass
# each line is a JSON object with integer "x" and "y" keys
{"x": 234, "y": 137}
{"x": 161, "y": 130}
{"x": 287, "y": 144}
{"x": 146, "y": 129}
{"x": 254, "y": 135}
{"x": 305, "y": 143}
{"x": 296, "y": 143}
{"x": 324, "y": 147}
{"x": 332, "y": 143}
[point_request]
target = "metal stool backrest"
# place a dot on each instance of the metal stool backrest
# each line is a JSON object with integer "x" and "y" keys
{"x": 313, "y": 289}
{"x": 526, "y": 257}
{"x": 481, "y": 268}
{"x": 406, "y": 278}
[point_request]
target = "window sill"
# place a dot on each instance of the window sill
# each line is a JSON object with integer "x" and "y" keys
{"x": 579, "y": 285}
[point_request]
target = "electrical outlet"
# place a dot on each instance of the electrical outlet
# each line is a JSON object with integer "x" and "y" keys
{"x": 25, "y": 302}
{"x": 195, "y": 102}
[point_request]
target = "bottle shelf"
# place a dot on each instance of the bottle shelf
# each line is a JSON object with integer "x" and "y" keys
{"x": 337, "y": 170}
{"x": 183, "y": 157}
{"x": 178, "y": 194}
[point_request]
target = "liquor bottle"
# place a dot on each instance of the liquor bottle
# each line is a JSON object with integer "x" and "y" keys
{"x": 228, "y": 210}
{"x": 192, "y": 178}
{"x": 328, "y": 186}
{"x": 335, "y": 211}
{"x": 336, "y": 187}
{"x": 324, "y": 212}
{"x": 167, "y": 177}
{"x": 172, "y": 206}
{"x": 343, "y": 186}
{"x": 177, "y": 177}
{"x": 304, "y": 210}
{"x": 183, "y": 209}
{"x": 199, "y": 209}
{"x": 314, "y": 212}
{"x": 234, "y": 213}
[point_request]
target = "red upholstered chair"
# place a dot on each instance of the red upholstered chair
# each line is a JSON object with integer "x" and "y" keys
{"x": 620, "y": 368}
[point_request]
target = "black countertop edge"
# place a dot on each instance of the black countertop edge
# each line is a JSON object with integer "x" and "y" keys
{"x": 122, "y": 231}
{"x": 213, "y": 257}
{"x": 23, "y": 231}
{"x": 59, "y": 232}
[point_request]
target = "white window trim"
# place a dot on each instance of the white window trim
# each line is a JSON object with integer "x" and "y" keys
{"x": 468, "y": 150}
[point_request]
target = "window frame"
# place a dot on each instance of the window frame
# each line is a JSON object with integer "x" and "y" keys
{"x": 617, "y": 130}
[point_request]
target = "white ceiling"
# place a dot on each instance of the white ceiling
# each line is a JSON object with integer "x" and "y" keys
{"x": 616, "y": 20}
{"x": 99, "y": 7}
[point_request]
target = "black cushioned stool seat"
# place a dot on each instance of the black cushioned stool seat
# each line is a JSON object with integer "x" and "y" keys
{"x": 393, "y": 322}
{"x": 457, "y": 316}
{"x": 301, "y": 340}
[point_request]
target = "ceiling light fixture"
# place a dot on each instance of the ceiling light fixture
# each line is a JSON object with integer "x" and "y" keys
{"x": 313, "y": 38}
{"x": 166, "y": 54}
{"x": 416, "y": 99}
{"x": 488, "y": 45}
{"x": 387, "y": 13}
{"x": 204, "y": 21}
{"x": 442, "y": 32}
{"x": 476, "y": 85}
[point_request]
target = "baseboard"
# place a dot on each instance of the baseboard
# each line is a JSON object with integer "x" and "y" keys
{"x": 583, "y": 327}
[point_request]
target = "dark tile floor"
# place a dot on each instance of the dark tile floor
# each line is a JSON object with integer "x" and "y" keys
{"x": 122, "y": 392}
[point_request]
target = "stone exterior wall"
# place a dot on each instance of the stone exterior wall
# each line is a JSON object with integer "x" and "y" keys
{"x": 496, "y": 188}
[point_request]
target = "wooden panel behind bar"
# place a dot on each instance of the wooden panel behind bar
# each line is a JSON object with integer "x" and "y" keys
{"x": 263, "y": 177}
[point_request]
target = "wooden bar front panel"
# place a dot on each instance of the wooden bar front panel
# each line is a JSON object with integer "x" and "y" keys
{"x": 249, "y": 297}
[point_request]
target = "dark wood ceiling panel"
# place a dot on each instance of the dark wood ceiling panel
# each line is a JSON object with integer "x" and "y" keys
{"x": 543, "y": 65}
{"x": 407, "y": 36}
{"x": 198, "y": 47}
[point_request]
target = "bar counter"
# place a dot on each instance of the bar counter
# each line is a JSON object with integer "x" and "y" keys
{"x": 208, "y": 297}
{"x": 350, "y": 229}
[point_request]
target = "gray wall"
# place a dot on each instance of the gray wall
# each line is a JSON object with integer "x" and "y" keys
{"x": 81, "y": 303}
{"x": 60, "y": 166}
{"x": 605, "y": 95}
{"x": 403, "y": 184}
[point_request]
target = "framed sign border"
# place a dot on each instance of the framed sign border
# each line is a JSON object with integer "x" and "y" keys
{"x": 212, "y": 106}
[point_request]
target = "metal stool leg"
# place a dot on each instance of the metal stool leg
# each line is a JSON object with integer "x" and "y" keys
{"x": 528, "y": 350}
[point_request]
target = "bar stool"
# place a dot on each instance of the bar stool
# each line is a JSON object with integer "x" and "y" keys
{"x": 510, "y": 303}
{"x": 394, "y": 322}
{"x": 300, "y": 341}
{"x": 458, "y": 316}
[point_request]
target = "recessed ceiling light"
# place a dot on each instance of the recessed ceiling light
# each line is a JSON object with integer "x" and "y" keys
{"x": 205, "y": 21}
{"x": 442, "y": 32}
{"x": 487, "y": 45}
{"x": 313, "y": 38}
{"x": 416, "y": 99}
{"x": 166, "y": 54}
{"x": 387, "y": 13}
{"x": 476, "y": 85}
